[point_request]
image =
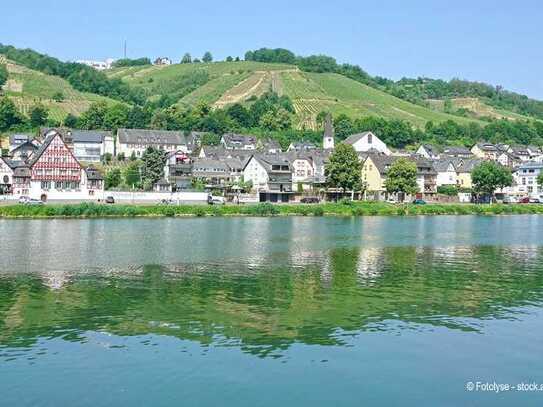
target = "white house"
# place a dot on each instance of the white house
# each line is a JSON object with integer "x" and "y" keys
{"x": 525, "y": 179}
{"x": 367, "y": 142}
{"x": 271, "y": 177}
{"x": 232, "y": 141}
{"x": 138, "y": 140}
{"x": 428, "y": 151}
{"x": 91, "y": 145}
{"x": 446, "y": 172}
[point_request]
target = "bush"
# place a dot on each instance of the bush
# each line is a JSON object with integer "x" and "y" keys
{"x": 318, "y": 211}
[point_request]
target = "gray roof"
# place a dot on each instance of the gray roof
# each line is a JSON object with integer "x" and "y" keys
{"x": 487, "y": 147}
{"x": 466, "y": 165}
{"x": 151, "y": 137}
{"x": 452, "y": 150}
{"x": 442, "y": 165}
{"x": 383, "y": 162}
{"x": 269, "y": 160}
{"x": 353, "y": 138}
{"x": 234, "y": 140}
{"x": 431, "y": 149}
{"x": 19, "y": 139}
{"x": 89, "y": 136}
{"x": 93, "y": 174}
{"x": 209, "y": 165}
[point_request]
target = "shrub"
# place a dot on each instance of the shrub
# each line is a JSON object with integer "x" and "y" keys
{"x": 318, "y": 211}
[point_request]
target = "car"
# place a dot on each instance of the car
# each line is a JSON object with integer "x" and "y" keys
{"x": 534, "y": 200}
{"x": 524, "y": 200}
{"x": 166, "y": 202}
{"x": 217, "y": 200}
{"x": 419, "y": 202}
{"x": 509, "y": 199}
{"x": 34, "y": 202}
{"x": 24, "y": 199}
{"x": 310, "y": 200}
{"x": 110, "y": 200}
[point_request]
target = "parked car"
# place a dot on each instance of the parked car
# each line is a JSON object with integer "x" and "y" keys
{"x": 510, "y": 199}
{"x": 534, "y": 200}
{"x": 167, "y": 202}
{"x": 34, "y": 202}
{"x": 419, "y": 202}
{"x": 310, "y": 200}
{"x": 110, "y": 200}
{"x": 217, "y": 200}
{"x": 524, "y": 200}
{"x": 24, "y": 199}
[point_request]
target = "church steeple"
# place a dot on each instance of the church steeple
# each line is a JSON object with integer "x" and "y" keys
{"x": 328, "y": 139}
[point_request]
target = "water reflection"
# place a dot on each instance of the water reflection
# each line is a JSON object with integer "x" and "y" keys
{"x": 264, "y": 303}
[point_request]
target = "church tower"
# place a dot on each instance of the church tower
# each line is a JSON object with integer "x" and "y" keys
{"x": 328, "y": 139}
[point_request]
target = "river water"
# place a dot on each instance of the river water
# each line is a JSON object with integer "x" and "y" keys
{"x": 271, "y": 311}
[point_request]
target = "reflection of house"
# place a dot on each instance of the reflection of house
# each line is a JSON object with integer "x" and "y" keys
{"x": 367, "y": 142}
{"x": 271, "y": 177}
{"x": 91, "y": 145}
{"x": 137, "y": 141}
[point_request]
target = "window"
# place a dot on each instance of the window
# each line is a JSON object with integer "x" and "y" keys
{"x": 370, "y": 138}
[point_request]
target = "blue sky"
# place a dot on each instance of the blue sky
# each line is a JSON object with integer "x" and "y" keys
{"x": 498, "y": 41}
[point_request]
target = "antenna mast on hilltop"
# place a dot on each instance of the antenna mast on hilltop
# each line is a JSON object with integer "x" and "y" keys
{"x": 124, "y": 49}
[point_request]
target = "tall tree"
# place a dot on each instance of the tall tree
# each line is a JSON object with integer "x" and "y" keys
{"x": 9, "y": 115}
{"x": 207, "y": 57}
{"x": 153, "y": 167}
{"x": 38, "y": 115}
{"x": 489, "y": 176}
{"x": 344, "y": 169}
{"x": 402, "y": 177}
{"x": 187, "y": 59}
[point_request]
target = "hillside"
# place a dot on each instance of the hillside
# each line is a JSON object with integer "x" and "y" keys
{"x": 311, "y": 93}
{"x": 27, "y": 87}
{"x": 477, "y": 107}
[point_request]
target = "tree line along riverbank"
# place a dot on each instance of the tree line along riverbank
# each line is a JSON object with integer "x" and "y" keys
{"x": 92, "y": 210}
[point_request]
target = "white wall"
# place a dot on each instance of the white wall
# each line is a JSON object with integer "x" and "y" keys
{"x": 255, "y": 173}
{"x": 364, "y": 144}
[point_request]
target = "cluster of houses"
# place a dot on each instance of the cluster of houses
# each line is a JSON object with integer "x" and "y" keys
{"x": 58, "y": 164}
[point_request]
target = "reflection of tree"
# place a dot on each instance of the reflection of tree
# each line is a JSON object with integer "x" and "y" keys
{"x": 263, "y": 311}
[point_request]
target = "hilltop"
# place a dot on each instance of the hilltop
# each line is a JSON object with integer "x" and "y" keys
{"x": 224, "y": 83}
{"x": 27, "y": 87}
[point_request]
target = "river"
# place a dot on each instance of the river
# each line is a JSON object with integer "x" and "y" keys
{"x": 294, "y": 311}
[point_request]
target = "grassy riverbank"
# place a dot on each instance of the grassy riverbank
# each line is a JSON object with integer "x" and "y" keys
{"x": 85, "y": 210}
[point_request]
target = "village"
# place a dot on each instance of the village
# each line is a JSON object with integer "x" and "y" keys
{"x": 62, "y": 165}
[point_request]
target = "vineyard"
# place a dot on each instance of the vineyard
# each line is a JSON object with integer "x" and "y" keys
{"x": 27, "y": 88}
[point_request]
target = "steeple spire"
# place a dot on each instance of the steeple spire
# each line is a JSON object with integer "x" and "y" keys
{"x": 328, "y": 139}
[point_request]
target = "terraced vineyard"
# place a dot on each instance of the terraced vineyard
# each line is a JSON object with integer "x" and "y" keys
{"x": 27, "y": 88}
{"x": 478, "y": 107}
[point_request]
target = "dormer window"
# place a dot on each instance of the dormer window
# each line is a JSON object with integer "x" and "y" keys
{"x": 370, "y": 138}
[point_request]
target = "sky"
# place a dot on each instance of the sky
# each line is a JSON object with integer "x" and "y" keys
{"x": 497, "y": 42}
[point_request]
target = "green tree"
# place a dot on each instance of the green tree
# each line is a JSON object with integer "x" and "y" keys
{"x": 207, "y": 57}
{"x": 107, "y": 158}
{"x": 276, "y": 119}
{"x": 153, "y": 167}
{"x": 344, "y": 170}
{"x": 116, "y": 116}
{"x": 402, "y": 177}
{"x": 343, "y": 126}
{"x": 9, "y": 115}
{"x": 187, "y": 59}
{"x": 132, "y": 176}
{"x": 489, "y": 176}
{"x": 229, "y": 58}
{"x": 38, "y": 115}
{"x": 540, "y": 179}
{"x": 58, "y": 97}
{"x": 70, "y": 121}
{"x": 113, "y": 178}
{"x": 3, "y": 74}
{"x": 95, "y": 117}
{"x": 121, "y": 157}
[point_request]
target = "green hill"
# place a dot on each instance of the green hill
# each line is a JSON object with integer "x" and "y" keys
{"x": 311, "y": 93}
{"x": 27, "y": 88}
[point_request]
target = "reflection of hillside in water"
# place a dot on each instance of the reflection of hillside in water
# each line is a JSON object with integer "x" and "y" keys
{"x": 262, "y": 303}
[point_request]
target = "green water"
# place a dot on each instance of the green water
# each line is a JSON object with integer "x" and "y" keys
{"x": 270, "y": 312}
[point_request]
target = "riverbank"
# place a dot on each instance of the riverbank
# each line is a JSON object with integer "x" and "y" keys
{"x": 92, "y": 210}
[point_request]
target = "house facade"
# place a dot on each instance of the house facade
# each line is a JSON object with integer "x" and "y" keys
{"x": 136, "y": 141}
{"x": 271, "y": 177}
{"x": 91, "y": 145}
{"x": 232, "y": 141}
{"x": 6, "y": 176}
{"x": 367, "y": 142}
{"x": 525, "y": 179}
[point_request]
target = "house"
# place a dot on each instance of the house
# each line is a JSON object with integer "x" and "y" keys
{"x": 15, "y": 140}
{"x": 301, "y": 146}
{"x": 525, "y": 179}
{"x": 428, "y": 151}
{"x": 91, "y": 145}
{"x": 269, "y": 146}
{"x": 303, "y": 171}
{"x": 485, "y": 151}
{"x": 271, "y": 177}
{"x": 446, "y": 172}
{"x": 23, "y": 151}
{"x": 136, "y": 141}
{"x": 212, "y": 172}
{"x": 374, "y": 171}
{"x": 55, "y": 173}
{"x": 177, "y": 171}
{"x": 464, "y": 167}
{"x": 508, "y": 159}
{"x": 98, "y": 65}
{"x": 232, "y": 141}
{"x": 6, "y": 175}
{"x": 367, "y": 142}
{"x": 163, "y": 61}
{"x": 523, "y": 153}
{"x": 460, "y": 152}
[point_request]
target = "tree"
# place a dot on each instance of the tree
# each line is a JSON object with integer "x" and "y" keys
{"x": 187, "y": 59}
{"x": 153, "y": 167}
{"x": 9, "y": 115}
{"x": 94, "y": 117}
{"x": 343, "y": 126}
{"x": 489, "y": 176}
{"x": 540, "y": 179}
{"x": 229, "y": 58}
{"x": 113, "y": 178}
{"x": 3, "y": 74}
{"x": 58, "y": 97}
{"x": 276, "y": 119}
{"x": 402, "y": 177}
{"x": 344, "y": 170}
{"x": 70, "y": 121}
{"x": 38, "y": 115}
{"x": 121, "y": 157}
{"x": 207, "y": 57}
{"x": 107, "y": 158}
{"x": 132, "y": 176}
{"x": 116, "y": 116}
